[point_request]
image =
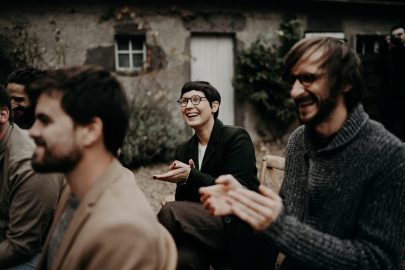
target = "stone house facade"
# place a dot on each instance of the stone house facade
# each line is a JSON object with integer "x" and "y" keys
{"x": 156, "y": 46}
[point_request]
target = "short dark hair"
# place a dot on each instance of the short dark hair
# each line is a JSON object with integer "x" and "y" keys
{"x": 209, "y": 91}
{"x": 88, "y": 92}
{"x": 25, "y": 76}
{"x": 5, "y": 102}
{"x": 340, "y": 61}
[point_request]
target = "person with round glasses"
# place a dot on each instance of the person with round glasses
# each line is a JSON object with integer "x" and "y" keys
{"x": 213, "y": 150}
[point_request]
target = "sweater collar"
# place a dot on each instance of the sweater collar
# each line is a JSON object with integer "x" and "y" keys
{"x": 351, "y": 127}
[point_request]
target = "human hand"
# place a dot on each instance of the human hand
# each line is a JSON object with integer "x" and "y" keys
{"x": 215, "y": 198}
{"x": 178, "y": 172}
{"x": 258, "y": 210}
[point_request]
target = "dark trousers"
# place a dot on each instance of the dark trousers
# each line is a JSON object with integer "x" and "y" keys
{"x": 202, "y": 240}
{"x": 199, "y": 237}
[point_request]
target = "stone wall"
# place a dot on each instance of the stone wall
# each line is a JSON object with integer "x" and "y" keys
{"x": 73, "y": 34}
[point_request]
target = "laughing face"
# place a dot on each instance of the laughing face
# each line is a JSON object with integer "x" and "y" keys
{"x": 23, "y": 113}
{"x": 311, "y": 90}
{"x": 199, "y": 115}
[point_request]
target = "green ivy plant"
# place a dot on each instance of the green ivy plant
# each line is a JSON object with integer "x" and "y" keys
{"x": 259, "y": 80}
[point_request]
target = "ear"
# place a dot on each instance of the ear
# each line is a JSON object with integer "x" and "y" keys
{"x": 215, "y": 106}
{"x": 347, "y": 88}
{"x": 4, "y": 115}
{"x": 92, "y": 132}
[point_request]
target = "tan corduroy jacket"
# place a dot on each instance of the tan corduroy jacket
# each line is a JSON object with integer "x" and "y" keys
{"x": 114, "y": 227}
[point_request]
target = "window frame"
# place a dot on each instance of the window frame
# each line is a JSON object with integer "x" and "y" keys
{"x": 338, "y": 35}
{"x": 362, "y": 40}
{"x": 130, "y": 51}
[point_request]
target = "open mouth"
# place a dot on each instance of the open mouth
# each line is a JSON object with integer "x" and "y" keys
{"x": 192, "y": 115}
{"x": 305, "y": 102}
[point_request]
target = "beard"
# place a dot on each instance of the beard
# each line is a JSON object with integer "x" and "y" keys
{"x": 52, "y": 162}
{"x": 23, "y": 117}
{"x": 325, "y": 107}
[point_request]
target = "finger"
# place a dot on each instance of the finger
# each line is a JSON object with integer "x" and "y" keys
{"x": 205, "y": 191}
{"x": 253, "y": 201}
{"x": 245, "y": 195}
{"x": 170, "y": 176}
{"x": 256, "y": 221}
{"x": 269, "y": 193}
{"x": 225, "y": 179}
{"x": 172, "y": 165}
{"x": 218, "y": 206}
{"x": 191, "y": 163}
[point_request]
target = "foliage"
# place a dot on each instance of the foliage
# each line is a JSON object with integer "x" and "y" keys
{"x": 259, "y": 80}
{"x": 152, "y": 134}
{"x": 17, "y": 49}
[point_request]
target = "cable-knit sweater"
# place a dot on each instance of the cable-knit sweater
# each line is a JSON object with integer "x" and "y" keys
{"x": 344, "y": 203}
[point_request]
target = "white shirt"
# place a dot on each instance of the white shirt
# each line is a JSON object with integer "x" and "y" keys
{"x": 201, "y": 153}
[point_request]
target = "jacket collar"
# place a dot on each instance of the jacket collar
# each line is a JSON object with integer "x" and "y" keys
{"x": 83, "y": 211}
{"x": 214, "y": 138}
{"x": 351, "y": 127}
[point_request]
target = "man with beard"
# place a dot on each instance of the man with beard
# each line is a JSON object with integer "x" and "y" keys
{"x": 17, "y": 82}
{"x": 103, "y": 220}
{"x": 341, "y": 204}
{"x": 27, "y": 199}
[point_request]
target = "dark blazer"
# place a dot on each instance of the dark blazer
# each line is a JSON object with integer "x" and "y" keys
{"x": 230, "y": 151}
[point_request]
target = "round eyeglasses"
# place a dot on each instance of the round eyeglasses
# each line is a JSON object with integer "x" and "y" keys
{"x": 195, "y": 100}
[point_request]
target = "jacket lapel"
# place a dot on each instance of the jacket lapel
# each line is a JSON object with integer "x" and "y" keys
{"x": 193, "y": 151}
{"x": 64, "y": 197}
{"x": 84, "y": 211}
{"x": 214, "y": 138}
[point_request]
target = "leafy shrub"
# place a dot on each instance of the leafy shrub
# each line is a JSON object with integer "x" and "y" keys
{"x": 259, "y": 80}
{"x": 17, "y": 49}
{"x": 152, "y": 134}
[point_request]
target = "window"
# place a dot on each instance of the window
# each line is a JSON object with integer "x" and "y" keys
{"x": 368, "y": 44}
{"x": 338, "y": 35}
{"x": 130, "y": 53}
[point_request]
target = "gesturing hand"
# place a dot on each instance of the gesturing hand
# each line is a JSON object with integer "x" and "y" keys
{"x": 178, "y": 172}
{"x": 228, "y": 197}
{"x": 258, "y": 210}
{"x": 215, "y": 199}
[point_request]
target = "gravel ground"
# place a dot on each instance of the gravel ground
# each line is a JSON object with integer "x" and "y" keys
{"x": 157, "y": 191}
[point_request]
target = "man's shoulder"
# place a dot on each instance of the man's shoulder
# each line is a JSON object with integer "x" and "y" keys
{"x": 122, "y": 205}
{"x": 377, "y": 139}
{"x": 297, "y": 135}
{"x": 123, "y": 198}
{"x": 19, "y": 145}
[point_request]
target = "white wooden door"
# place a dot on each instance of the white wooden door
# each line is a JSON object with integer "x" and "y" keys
{"x": 213, "y": 61}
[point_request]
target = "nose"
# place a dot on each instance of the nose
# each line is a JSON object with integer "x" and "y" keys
{"x": 189, "y": 104}
{"x": 34, "y": 130}
{"x": 297, "y": 89}
{"x": 13, "y": 104}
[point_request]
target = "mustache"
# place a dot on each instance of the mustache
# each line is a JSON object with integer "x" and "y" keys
{"x": 20, "y": 109}
{"x": 39, "y": 142}
{"x": 307, "y": 98}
